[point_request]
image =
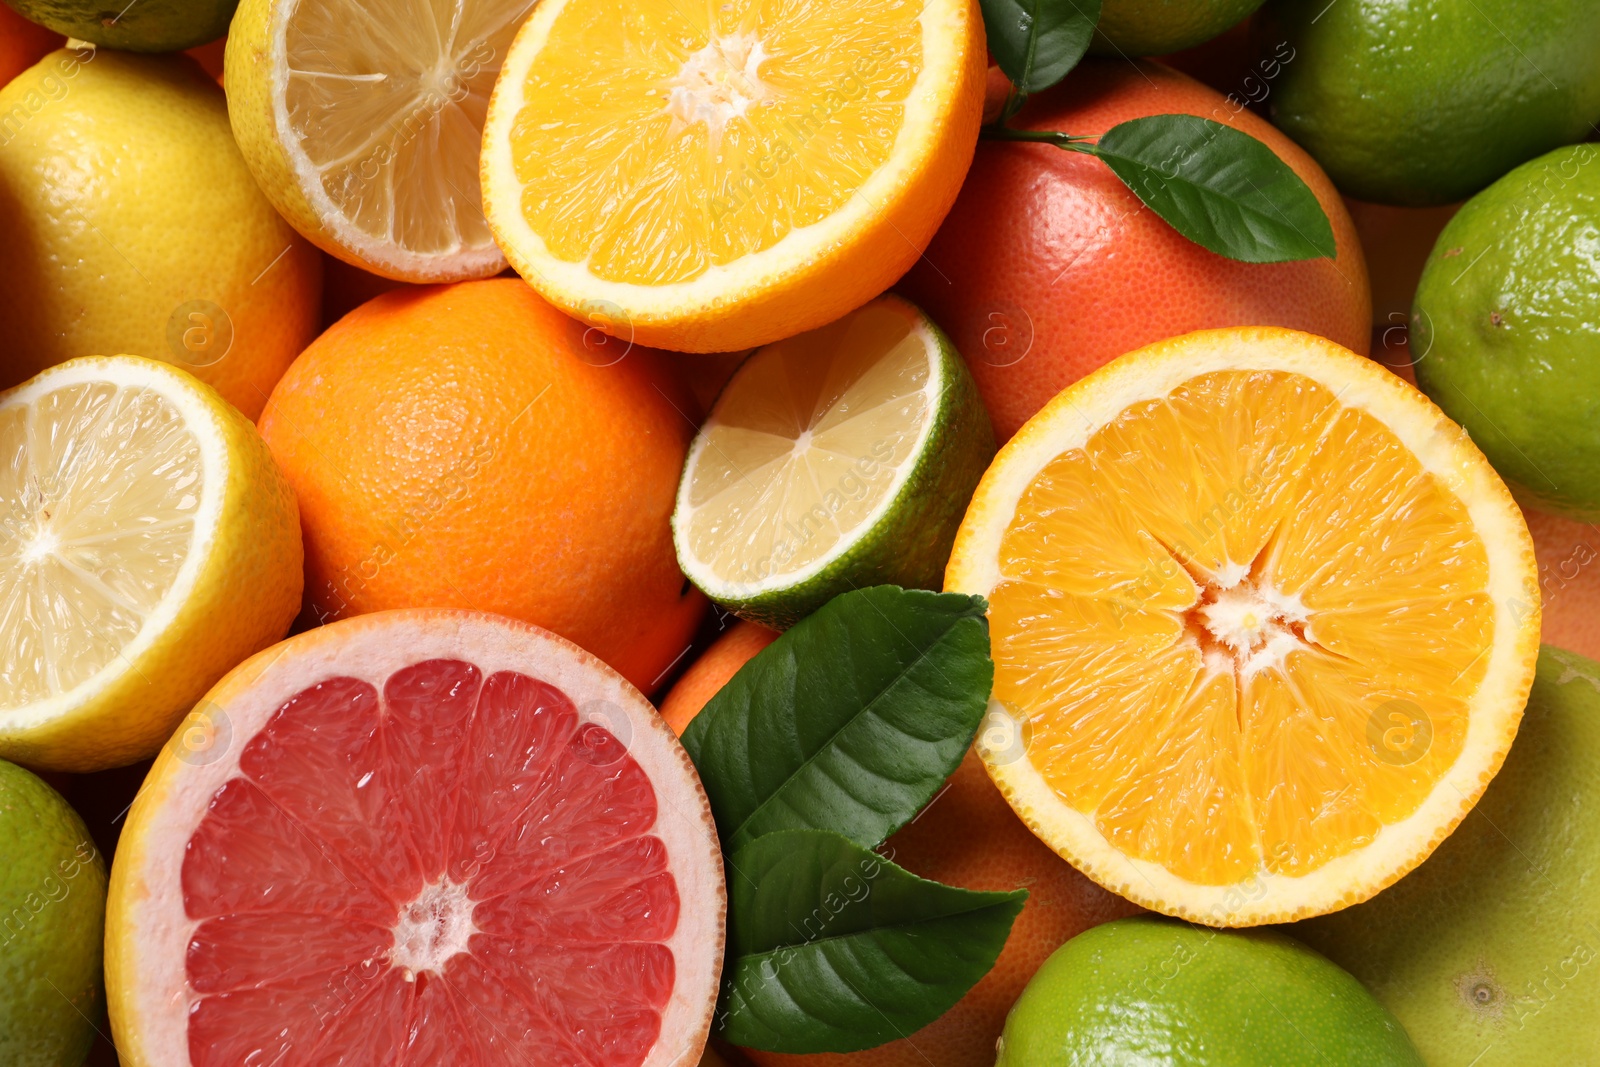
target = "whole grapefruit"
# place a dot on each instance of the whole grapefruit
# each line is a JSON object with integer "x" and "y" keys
{"x": 966, "y": 836}
{"x": 469, "y": 446}
{"x": 1048, "y": 266}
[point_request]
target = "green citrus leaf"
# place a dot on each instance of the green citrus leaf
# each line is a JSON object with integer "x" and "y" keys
{"x": 1038, "y": 42}
{"x": 833, "y": 948}
{"x": 1222, "y": 189}
{"x": 850, "y": 721}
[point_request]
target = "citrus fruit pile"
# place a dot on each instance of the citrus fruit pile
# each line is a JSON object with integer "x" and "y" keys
{"x": 866, "y": 533}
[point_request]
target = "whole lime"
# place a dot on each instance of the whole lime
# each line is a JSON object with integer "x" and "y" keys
{"x": 52, "y": 923}
{"x": 145, "y": 26}
{"x": 1152, "y": 990}
{"x": 1489, "y": 952}
{"x": 1428, "y": 101}
{"x": 1506, "y": 328}
{"x": 1156, "y": 27}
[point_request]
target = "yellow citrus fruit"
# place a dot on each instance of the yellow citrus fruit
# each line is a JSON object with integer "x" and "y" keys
{"x": 164, "y": 248}
{"x": 713, "y": 177}
{"x": 362, "y": 123}
{"x": 1264, "y": 621}
{"x": 148, "y": 543}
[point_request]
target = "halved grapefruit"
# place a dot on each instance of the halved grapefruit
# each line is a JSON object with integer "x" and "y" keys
{"x": 417, "y": 838}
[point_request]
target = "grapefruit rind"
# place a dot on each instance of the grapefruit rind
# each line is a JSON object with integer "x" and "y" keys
{"x": 1442, "y": 448}
{"x": 812, "y": 275}
{"x": 147, "y": 931}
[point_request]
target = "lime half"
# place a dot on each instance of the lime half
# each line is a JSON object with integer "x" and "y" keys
{"x": 840, "y": 458}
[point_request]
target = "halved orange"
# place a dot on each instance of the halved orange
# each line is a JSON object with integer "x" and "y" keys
{"x": 1263, "y": 622}
{"x": 711, "y": 177}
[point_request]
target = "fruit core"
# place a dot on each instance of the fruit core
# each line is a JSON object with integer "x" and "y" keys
{"x": 719, "y": 82}
{"x": 434, "y": 927}
{"x": 1247, "y": 625}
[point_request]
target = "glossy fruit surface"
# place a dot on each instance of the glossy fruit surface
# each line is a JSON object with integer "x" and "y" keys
{"x": 1427, "y": 102}
{"x": 22, "y": 43}
{"x": 1048, "y": 266}
{"x": 149, "y": 26}
{"x": 470, "y": 446}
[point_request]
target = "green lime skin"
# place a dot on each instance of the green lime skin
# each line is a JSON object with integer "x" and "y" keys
{"x": 1156, "y": 27}
{"x": 1505, "y": 330}
{"x": 910, "y": 544}
{"x": 1489, "y": 952}
{"x": 1156, "y": 991}
{"x": 52, "y": 925}
{"x": 1428, "y": 101}
{"x": 144, "y": 26}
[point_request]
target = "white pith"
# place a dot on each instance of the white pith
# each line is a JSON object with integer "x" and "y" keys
{"x": 202, "y": 424}
{"x": 443, "y": 78}
{"x": 719, "y": 587}
{"x": 149, "y": 930}
{"x": 572, "y": 285}
{"x": 432, "y": 929}
{"x": 719, "y": 82}
{"x": 1442, "y": 449}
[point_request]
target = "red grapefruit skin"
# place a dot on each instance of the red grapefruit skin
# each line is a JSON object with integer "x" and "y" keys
{"x": 418, "y": 838}
{"x": 1048, "y": 266}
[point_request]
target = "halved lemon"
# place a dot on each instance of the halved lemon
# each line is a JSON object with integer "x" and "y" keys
{"x": 148, "y": 543}
{"x": 712, "y": 177}
{"x": 1263, "y": 622}
{"x": 837, "y": 459}
{"x": 362, "y": 123}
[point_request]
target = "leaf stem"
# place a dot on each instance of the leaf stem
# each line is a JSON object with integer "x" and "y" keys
{"x": 1070, "y": 142}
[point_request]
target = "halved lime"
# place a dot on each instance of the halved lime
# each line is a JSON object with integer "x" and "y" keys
{"x": 840, "y": 458}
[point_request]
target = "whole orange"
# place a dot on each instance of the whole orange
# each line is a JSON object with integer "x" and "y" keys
{"x": 967, "y": 836}
{"x": 469, "y": 446}
{"x": 712, "y": 670}
{"x": 23, "y": 43}
{"x": 1048, "y": 266}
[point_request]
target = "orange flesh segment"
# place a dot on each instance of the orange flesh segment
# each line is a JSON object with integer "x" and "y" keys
{"x": 660, "y": 140}
{"x": 1242, "y": 626}
{"x": 315, "y": 875}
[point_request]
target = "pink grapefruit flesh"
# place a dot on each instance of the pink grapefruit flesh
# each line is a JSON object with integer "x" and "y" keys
{"x": 419, "y": 838}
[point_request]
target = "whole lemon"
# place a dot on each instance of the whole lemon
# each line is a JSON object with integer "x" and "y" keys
{"x": 131, "y": 225}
